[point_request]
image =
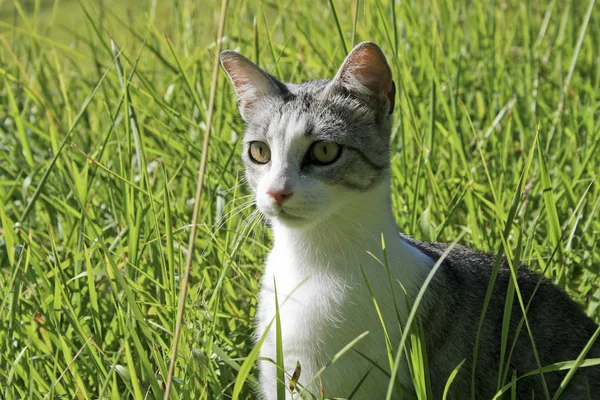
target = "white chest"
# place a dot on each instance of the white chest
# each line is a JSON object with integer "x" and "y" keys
{"x": 325, "y": 304}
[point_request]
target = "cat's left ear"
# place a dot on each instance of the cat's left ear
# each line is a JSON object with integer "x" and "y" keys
{"x": 366, "y": 74}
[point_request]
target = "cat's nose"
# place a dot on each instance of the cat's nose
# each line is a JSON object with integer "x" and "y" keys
{"x": 280, "y": 195}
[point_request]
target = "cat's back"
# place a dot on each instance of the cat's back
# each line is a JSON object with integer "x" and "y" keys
{"x": 451, "y": 313}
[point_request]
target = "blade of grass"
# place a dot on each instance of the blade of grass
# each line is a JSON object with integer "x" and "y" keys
{"x": 565, "y": 85}
{"x": 50, "y": 167}
{"x": 451, "y": 379}
{"x": 338, "y": 26}
{"x": 413, "y": 313}
{"x": 199, "y": 186}
{"x": 280, "y": 370}
{"x": 578, "y": 363}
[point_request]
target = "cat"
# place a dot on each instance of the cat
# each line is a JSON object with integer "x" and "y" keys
{"x": 316, "y": 158}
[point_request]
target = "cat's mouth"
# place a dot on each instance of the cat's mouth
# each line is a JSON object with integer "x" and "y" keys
{"x": 288, "y": 218}
{"x": 286, "y": 215}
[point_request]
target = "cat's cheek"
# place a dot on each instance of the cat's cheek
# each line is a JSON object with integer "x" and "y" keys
{"x": 265, "y": 206}
{"x": 334, "y": 197}
{"x": 253, "y": 176}
{"x": 263, "y": 201}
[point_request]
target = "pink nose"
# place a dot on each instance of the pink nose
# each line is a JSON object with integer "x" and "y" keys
{"x": 280, "y": 195}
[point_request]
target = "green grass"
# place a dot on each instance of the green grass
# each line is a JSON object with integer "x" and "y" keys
{"x": 496, "y": 137}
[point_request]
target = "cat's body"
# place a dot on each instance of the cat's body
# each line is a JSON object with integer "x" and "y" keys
{"x": 325, "y": 302}
{"x": 317, "y": 159}
{"x": 451, "y": 314}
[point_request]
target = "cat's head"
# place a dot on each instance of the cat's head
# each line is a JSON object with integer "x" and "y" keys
{"x": 310, "y": 148}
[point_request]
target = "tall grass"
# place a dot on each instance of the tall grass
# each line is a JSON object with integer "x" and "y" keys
{"x": 496, "y": 137}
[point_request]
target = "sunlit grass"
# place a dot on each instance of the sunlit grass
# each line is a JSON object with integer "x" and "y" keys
{"x": 496, "y": 137}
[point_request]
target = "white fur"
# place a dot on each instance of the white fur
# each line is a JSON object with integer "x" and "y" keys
{"x": 320, "y": 247}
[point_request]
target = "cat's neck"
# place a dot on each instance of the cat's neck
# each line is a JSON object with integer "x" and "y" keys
{"x": 356, "y": 233}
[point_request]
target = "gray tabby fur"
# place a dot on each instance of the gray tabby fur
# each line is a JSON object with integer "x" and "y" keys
{"x": 360, "y": 122}
{"x": 451, "y": 316}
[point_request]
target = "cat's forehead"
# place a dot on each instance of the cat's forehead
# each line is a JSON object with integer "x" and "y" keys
{"x": 297, "y": 114}
{"x": 305, "y": 101}
{"x": 289, "y": 124}
{"x": 310, "y": 110}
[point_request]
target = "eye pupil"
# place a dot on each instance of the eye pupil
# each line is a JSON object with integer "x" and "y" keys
{"x": 259, "y": 153}
{"x": 324, "y": 153}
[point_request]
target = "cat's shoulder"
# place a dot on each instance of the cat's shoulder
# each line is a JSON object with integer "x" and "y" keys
{"x": 464, "y": 263}
{"x": 457, "y": 253}
{"x": 465, "y": 273}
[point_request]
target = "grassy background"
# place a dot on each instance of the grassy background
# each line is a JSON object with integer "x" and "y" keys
{"x": 97, "y": 187}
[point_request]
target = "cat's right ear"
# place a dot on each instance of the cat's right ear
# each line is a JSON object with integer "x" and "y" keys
{"x": 251, "y": 83}
{"x": 366, "y": 74}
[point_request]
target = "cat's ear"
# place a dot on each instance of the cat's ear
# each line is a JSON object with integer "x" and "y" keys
{"x": 366, "y": 74}
{"x": 251, "y": 83}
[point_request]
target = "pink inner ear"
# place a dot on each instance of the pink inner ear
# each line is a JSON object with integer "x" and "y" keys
{"x": 367, "y": 67}
{"x": 239, "y": 77}
{"x": 251, "y": 83}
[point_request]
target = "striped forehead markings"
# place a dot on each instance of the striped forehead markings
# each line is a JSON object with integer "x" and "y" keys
{"x": 296, "y": 126}
{"x": 287, "y": 127}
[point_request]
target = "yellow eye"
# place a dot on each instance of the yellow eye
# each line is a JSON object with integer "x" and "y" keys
{"x": 323, "y": 153}
{"x": 259, "y": 152}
